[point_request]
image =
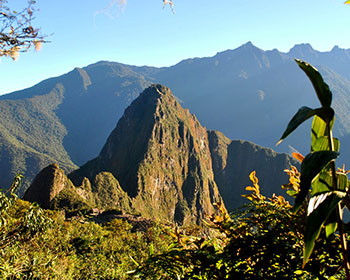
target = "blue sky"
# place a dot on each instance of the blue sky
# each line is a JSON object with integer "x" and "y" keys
{"x": 141, "y": 32}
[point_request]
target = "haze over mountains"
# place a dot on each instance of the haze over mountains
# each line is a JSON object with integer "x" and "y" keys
{"x": 246, "y": 93}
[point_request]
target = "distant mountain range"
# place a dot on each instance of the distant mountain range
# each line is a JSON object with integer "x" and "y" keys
{"x": 246, "y": 93}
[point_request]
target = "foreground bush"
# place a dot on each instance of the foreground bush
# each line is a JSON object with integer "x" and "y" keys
{"x": 262, "y": 240}
{"x": 41, "y": 244}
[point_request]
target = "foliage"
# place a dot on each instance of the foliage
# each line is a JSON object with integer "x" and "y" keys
{"x": 329, "y": 187}
{"x": 262, "y": 240}
{"x": 16, "y": 31}
{"x": 42, "y": 244}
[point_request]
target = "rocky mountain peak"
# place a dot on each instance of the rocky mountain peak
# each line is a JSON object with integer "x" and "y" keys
{"x": 160, "y": 154}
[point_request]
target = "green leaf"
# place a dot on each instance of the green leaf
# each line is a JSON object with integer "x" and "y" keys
{"x": 323, "y": 183}
{"x": 317, "y": 218}
{"x": 330, "y": 229}
{"x": 321, "y": 88}
{"x": 318, "y": 128}
{"x": 311, "y": 166}
{"x": 302, "y": 115}
{"x": 151, "y": 249}
{"x": 331, "y": 223}
{"x": 342, "y": 182}
{"x": 321, "y": 144}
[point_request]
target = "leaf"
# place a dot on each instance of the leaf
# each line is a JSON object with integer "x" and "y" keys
{"x": 315, "y": 201}
{"x": 302, "y": 115}
{"x": 342, "y": 182}
{"x": 324, "y": 183}
{"x": 321, "y": 144}
{"x": 316, "y": 219}
{"x": 298, "y": 157}
{"x": 151, "y": 249}
{"x": 326, "y": 114}
{"x": 311, "y": 166}
{"x": 318, "y": 128}
{"x": 347, "y": 2}
{"x": 331, "y": 223}
{"x": 322, "y": 90}
{"x": 330, "y": 229}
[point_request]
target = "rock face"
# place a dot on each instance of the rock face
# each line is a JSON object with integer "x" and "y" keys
{"x": 233, "y": 161}
{"x": 46, "y": 186}
{"x": 160, "y": 154}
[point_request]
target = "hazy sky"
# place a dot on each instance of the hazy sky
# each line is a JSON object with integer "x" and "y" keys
{"x": 141, "y": 32}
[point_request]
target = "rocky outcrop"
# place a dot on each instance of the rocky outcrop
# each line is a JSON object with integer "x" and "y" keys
{"x": 47, "y": 185}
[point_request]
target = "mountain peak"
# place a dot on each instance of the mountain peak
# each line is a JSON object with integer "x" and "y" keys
{"x": 160, "y": 154}
{"x": 337, "y": 49}
{"x": 301, "y": 49}
{"x": 248, "y": 46}
{"x": 157, "y": 90}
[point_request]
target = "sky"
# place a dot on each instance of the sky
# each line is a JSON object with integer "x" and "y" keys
{"x": 141, "y": 32}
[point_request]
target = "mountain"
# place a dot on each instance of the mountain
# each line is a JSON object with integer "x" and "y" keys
{"x": 159, "y": 161}
{"x": 246, "y": 93}
{"x": 234, "y": 160}
{"x": 160, "y": 154}
{"x": 252, "y": 94}
{"x": 64, "y": 119}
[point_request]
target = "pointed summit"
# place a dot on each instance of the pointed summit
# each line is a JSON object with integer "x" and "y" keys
{"x": 160, "y": 154}
{"x": 248, "y": 47}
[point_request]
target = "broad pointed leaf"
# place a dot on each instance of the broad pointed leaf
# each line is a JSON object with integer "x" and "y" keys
{"x": 316, "y": 219}
{"x": 321, "y": 88}
{"x": 311, "y": 166}
{"x": 302, "y": 115}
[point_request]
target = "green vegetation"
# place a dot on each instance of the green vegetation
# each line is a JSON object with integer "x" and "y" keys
{"x": 265, "y": 239}
{"x": 262, "y": 240}
{"x": 329, "y": 187}
{"x": 41, "y": 244}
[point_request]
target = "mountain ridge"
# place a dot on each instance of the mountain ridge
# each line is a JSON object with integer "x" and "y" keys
{"x": 250, "y": 96}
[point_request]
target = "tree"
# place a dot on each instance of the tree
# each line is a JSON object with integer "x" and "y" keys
{"x": 17, "y": 33}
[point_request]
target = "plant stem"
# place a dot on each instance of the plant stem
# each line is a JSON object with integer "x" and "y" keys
{"x": 339, "y": 210}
